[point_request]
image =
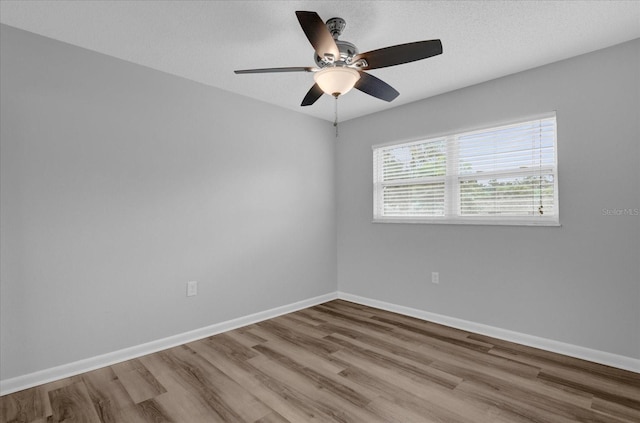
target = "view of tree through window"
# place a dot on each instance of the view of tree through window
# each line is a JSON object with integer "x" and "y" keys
{"x": 424, "y": 162}
{"x": 501, "y": 175}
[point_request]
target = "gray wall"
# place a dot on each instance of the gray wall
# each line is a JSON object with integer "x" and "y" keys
{"x": 121, "y": 183}
{"x": 579, "y": 283}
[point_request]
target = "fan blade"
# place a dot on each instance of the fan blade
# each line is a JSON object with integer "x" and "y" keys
{"x": 272, "y": 70}
{"x": 375, "y": 87}
{"x": 312, "y": 96}
{"x": 318, "y": 34}
{"x": 402, "y": 53}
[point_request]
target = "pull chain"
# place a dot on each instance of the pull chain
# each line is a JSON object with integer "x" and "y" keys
{"x": 335, "y": 121}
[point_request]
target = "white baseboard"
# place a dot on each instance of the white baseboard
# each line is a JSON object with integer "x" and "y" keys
{"x": 30, "y": 380}
{"x": 602, "y": 357}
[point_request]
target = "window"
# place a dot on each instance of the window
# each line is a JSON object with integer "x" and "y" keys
{"x": 505, "y": 175}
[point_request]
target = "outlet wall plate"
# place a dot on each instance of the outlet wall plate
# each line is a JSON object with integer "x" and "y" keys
{"x": 192, "y": 288}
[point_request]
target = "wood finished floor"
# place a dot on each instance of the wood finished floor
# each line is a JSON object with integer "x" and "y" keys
{"x": 338, "y": 362}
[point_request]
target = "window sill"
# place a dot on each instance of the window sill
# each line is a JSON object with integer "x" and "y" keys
{"x": 485, "y": 222}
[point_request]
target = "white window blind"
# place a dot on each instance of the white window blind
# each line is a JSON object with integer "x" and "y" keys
{"x": 500, "y": 175}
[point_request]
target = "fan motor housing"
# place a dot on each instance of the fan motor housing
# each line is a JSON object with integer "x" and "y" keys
{"x": 347, "y": 51}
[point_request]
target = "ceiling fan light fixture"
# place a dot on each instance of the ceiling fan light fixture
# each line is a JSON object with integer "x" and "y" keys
{"x": 336, "y": 80}
{"x": 340, "y": 65}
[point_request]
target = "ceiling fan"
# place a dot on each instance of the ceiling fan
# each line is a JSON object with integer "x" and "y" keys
{"x": 340, "y": 66}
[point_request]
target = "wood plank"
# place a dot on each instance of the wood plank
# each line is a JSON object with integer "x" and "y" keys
{"x": 72, "y": 404}
{"x": 228, "y": 345}
{"x": 353, "y": 320}
{"x": 318, "y": 360}
{"x": 615, "y": 409}
{"x": 140, "y": 384}
{"x": 110, "y": 399}
{"x": 431, "y": 402}
{"x": 181, "y": 404}
{"x": 324, "y": 398}
{"x": 221, "y": 395}
{"x": 107, "y": 394}
{"x": 548, "y": 360}
{"x": 325, "y": 364}
{"x": 45, "y": 389}
{"x": 285, "y": 400}
{"x": 316, "y": 378}
{"x": 616, "y": 393}
{"x": 273, "y": 418}
{"x": 531, "y": 403}
{"x": 425, "y": 373}
{"x": 246, "y": 338}
{"x": 23, "y": 406}
{"x": 152, "y": 411}
{"x": 409, "y": 351}
{"x": 348, "y": 308}
{"x": 298, "y": 338}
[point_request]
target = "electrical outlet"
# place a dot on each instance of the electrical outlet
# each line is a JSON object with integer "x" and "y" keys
{"x": 192, "y": 288}
{"x": 435, "y": 277}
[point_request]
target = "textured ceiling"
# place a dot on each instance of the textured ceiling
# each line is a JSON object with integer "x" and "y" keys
{"x": 206, "y": 40}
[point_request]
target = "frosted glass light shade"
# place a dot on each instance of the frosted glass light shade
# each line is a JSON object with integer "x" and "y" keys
{"x": 336, "y": 80}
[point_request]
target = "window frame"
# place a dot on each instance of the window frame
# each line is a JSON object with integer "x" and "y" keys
{"x": 452, "y": 180}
